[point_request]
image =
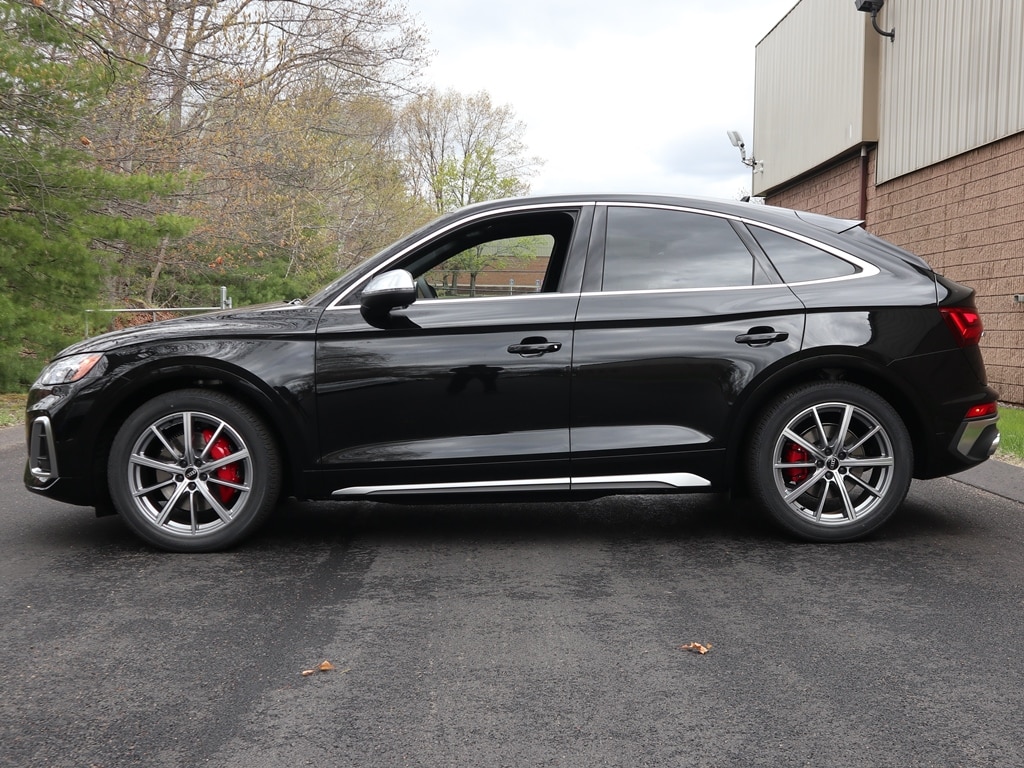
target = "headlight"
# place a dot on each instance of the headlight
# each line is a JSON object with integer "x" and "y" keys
{"x": 68, "y": 369}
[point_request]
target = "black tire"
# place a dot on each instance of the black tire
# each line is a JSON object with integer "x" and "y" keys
{"x": 194, "y": 471}
{"x": 825, "y": 481}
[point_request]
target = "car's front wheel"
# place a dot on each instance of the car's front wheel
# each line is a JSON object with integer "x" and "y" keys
{"x": 830, "y": 461}
{"x": 193, "y": 471}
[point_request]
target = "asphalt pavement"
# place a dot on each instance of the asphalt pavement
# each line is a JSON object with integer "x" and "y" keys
{"x": 518, "y": 635}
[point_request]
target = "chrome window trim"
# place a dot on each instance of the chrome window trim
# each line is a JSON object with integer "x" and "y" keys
{"x": 561, "y": 205}
{"x": 867, "y": 269}
{"x": 648, "y": 291}
{"x": 661, "y": 480}
{"x": 489, "y": 299}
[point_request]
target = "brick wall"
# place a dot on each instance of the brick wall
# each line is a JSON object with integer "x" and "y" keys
{"x": 965, "y": 216}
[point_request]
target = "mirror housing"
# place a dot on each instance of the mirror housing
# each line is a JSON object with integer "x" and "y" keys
{"x": 391, "y": 290}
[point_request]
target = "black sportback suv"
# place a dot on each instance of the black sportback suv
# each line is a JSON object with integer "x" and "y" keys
{"x": 582, "y": 345}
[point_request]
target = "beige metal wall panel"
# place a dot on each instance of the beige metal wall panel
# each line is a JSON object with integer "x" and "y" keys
{"x": 952, "y": 81}
{"x": 815, "y": 90}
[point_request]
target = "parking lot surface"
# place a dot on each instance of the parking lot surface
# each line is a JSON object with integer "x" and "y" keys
{"x": 519, "y": 635}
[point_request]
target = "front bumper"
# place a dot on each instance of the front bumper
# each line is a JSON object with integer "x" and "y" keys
{"x": 43, "y": 470}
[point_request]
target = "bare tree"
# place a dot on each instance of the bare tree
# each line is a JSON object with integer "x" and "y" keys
{"x": 277, "y": 106}
{"x": 462, "y": 149}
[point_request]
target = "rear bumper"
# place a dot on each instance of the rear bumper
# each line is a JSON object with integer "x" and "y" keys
{"x": 977, "y": 439}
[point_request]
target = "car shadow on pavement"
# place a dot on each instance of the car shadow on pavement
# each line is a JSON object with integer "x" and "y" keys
{"x": 613, "y": 519}
{"x": 635, "y": 519}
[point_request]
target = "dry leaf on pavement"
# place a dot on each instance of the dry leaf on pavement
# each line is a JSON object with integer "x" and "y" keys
{"x": 696, "y": 648}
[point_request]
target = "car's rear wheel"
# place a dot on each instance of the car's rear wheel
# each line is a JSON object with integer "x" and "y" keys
{"x": 193, "y": 471}
{"x": 830, "y": 461}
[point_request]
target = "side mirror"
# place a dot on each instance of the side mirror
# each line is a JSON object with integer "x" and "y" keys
{"x": 385, "y": 292}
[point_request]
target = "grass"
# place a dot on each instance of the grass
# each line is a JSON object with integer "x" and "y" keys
{"x": 1011, "y": 431}
{"x": 1011, "y": 425}
{"x": 12, "y": 410}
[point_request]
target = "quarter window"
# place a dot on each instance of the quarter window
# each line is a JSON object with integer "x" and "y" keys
{"x": 797, "y": 261}
{"x": 657, "y": 249}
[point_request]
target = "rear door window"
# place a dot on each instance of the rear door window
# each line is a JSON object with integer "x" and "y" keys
{"x": 659, "y": 249}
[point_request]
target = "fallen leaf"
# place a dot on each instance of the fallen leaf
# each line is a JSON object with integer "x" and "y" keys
{"x": 308, "y": 672}
{"x": 696, "y": 648}
{"x": 326, "y": 666}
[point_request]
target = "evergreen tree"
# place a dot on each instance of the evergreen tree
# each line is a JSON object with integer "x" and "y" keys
{"x": 59, "y": 210}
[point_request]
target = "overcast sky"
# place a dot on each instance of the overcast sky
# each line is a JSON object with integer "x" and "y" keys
{"x": 616, "y": 95}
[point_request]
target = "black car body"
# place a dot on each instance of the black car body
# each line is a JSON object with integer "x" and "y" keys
{"x": 603, "y": 345}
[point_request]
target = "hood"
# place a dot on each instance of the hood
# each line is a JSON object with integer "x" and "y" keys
{"x": 258, "y": 320}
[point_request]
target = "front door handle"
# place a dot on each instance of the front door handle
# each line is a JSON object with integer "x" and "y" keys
{"x": 761, "y": 336}
{"x": 534, "y": 347}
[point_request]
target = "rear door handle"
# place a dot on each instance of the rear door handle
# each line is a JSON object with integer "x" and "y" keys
{"x": 534, "y": 347}
{"x": 761, "y": 336}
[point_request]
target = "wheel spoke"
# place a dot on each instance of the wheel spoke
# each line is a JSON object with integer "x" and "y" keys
{"x": 871, "y": 461}
{"x": 864, "y": 439}
{"x": 794, "y": 465}
{"x": 799, "y": 491}
{"x": 192, "y": 513}
{"x": 168, "y": 446}
{"x": 145, "y": 461}
{"x": 820, "y": 426}
{"x": 851, "y": 510}
{"x": 844, "y": 427}
{"x": 212, "y": 440}
{"x": 149, "y": 489}
{"x": 228, "y": 484}
{"x": 237, "y": 456}
{"x": 223, "y": 513}
{"x": 169, "y": 505}
{"x": 821, "y": 504}
{"x": 799, "y": 440}
{"x": 866, "y": 486}
{"x": 187, "y": 438}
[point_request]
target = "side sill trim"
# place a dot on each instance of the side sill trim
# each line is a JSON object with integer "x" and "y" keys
{"x": 663, "y": 481}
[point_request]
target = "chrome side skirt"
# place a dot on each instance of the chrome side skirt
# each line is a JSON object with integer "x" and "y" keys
{"x": 653, "y": 482}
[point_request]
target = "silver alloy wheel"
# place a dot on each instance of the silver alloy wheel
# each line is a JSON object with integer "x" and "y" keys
{"x": 189, "y": 474}
{"x": 833, "y": 464}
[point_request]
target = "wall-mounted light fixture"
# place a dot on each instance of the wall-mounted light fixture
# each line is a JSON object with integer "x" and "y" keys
{"x": 873, "y": 7}
{"x": 737, "y": 141}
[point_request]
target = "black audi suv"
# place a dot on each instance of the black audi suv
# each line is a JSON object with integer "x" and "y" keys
{"x": 569, "y": 346}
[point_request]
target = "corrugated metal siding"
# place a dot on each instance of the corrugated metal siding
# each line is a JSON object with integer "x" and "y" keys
{"x": 815, "y": 89}
{"x": 952, "y": 81}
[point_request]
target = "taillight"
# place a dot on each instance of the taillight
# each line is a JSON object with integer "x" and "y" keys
{"x": 985, "y": 409}
{"x": 965, "y": 323}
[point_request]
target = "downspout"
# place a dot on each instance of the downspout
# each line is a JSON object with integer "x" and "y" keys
{"x": 863, "y": 214}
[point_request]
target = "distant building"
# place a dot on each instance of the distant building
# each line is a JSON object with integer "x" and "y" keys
{"x": 922, "y": 137}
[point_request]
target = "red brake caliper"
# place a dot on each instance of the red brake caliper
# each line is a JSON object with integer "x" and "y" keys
{"x": 219, "y": 449}
{"x": 795, "y": 454}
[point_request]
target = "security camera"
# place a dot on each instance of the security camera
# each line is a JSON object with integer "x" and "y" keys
{"x": 873, "y": 7}
{"x": 736, "y": 139}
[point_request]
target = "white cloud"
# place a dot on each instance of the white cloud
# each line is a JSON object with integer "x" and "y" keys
{"x": 616, "y": 96}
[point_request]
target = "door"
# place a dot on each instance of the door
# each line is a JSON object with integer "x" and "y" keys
{"x": 676, "y": 318}
{"x": 466, "y": 389}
